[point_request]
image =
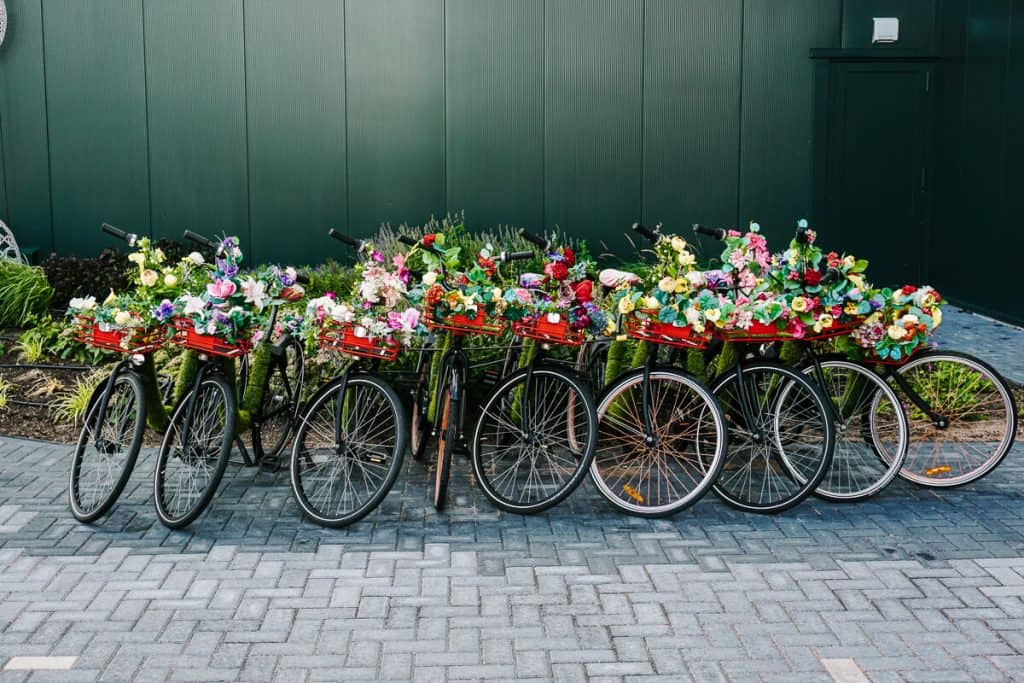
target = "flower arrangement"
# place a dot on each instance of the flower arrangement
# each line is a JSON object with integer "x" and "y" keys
{"x": 908, "y": 317}
{"x": 667, "y": 293}
{"x": 564, "y": 289}
{"x": 234, "y": 304}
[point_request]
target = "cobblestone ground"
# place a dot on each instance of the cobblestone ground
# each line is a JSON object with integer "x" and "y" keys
{"x": 912, "y": 585}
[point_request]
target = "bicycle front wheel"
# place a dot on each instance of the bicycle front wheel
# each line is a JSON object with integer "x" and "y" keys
{"x": 448, "y": 432}
{"x": 191, "y": 465}
{"x": 282, "y": 390}
{"x": 661, "y": 473}
{"x": 105, "y": 454}
{"x": 348, "y": 450}
{"x": 972, "y": 422}
{"x": 532, "y": 448}
{"x": 871, "y": 431}
{"x": 781, "y": 445}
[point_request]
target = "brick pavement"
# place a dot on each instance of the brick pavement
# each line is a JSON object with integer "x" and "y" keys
{"x": 911, "y": 585}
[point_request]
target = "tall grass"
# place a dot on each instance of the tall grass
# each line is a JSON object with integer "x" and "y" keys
{"x": 24, "y": 291}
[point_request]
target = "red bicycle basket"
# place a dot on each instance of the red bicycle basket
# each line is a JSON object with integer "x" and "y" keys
{"x": 462, "y": 324}
{"x": 760, "y": 333}
{"x": 352, "y": 340}
{"x": 186, "y": 335}
{"x": 542, "y": 329}
{"x": 136, "y": 340}
{"x": 652, "y": 330}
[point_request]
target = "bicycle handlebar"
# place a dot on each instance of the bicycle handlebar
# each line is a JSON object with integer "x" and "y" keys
{"x": 714, "y": 233}
{"x": 116, "y": 232}
{"x": 200, "y": 240}
{"x": 536, "y": 240}
{"x": 651, "y": 235}
{"x": 507, "y": 256}
{"x": 302, "y": 278}
{"x": 343, "y": 238}
{"x": 407, "y": 241}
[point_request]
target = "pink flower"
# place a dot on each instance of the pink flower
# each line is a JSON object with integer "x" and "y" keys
{"x": 221, "y": 289}
{"x": 733, "y": 233}
{"x": 837, "y": 311}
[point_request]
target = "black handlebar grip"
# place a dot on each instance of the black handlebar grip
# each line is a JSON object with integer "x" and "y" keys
{"x": 302, "y": 278}
{"x": 516, "y": 255}
{"x": 649, "y": 234}
{"x": 344, "y": 239}
{"x": 199, "y": 239}
{"x": 715, "y": 233}
{"x": 407, "y": 241}
{"x": 803, "y": 235}
{"x": 540, "y": 242}
{"x": 116, "y": 232}
{"x": 831, "y": 275}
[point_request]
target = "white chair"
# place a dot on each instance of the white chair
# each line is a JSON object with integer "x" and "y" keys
{"x": 9, "y": 246}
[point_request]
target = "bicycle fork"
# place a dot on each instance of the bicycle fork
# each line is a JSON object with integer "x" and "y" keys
{"x": 939, "y": 421}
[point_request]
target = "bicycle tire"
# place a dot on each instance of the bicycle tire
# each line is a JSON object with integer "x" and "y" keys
{"x": 279, "y": 407}
{"x": 743, "y": 446}
{"x": 446, "y": 437}
{"x": 219, "y": 416}
{"x": 624, "y": 461}
{"x": 503, "y": 405}
{"x": 1003, "y": 424}
{"x": 369, "y": 394}
{"x": 88, "y": 444}
{"x": 419, "y": 425}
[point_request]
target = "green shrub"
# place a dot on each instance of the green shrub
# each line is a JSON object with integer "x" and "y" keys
{"x": 24, "y": 291}
{"x": 71, "y": 405}
{"x": 47, "y": 336}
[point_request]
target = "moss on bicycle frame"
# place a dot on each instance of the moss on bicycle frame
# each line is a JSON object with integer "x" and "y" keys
{"x": 259, "y": 369}
{"x": 187, "y": 374}
{"x": 435, "y": 376}
{"x": 156, "y": 414}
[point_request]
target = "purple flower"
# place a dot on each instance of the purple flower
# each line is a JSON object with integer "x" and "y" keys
{"x": 164, "y": 311}
{"x": 377, "y": 256}
{"x": 227, "y": 268}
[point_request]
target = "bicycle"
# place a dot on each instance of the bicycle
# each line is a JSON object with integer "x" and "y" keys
{"x": 350, "y": 441}
{"x": 662, "y": 434}
{"x": 535, "y": 437}
{"x": 115, "y": 423}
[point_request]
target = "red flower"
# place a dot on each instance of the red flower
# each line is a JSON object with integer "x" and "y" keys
{"x": 559, "y": 271}
{"x": 569, "y": 258}
{"x": 908, "y": 289}
{"x": 584, "y": 290}
{"x": 812, "y": 278}
{"x": 428, "y": 239}
{"x": 487, "y": 264}
{"x": 833, "y": 259}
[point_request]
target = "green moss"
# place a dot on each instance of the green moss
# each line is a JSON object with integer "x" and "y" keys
{"x": 726, "y": 359}
{"x": 616, "y": 355}
{"x": 639, "y": 355}
{"x": 695, "y": 364}
{"x": 435, "y": 376}
{"x": 186, "y": 373}
{"x": 156, "y": 415}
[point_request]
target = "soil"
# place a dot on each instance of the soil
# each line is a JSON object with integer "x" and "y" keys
{"x": 30, "y": 399}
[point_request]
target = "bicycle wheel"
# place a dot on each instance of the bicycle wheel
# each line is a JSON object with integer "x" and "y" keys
{"x": 592, "y": 361}
{"x": 871, "y": 431}
{"x": 448, "y": 432}
{"x": 106, "y": 453}
{"x": 282, "y": 391}
{"x": 528, "y": 471}
{"x": 672, "y": 470}
{"x": 189, "y": 469}
{"x": 778, "y": 459}
{"x": 977, "y": 418}
{"x": 419, "y": 425}
{"x": 348, "y": 450}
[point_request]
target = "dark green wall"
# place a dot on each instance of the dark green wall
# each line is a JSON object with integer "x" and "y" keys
{"x": 275, "y": 120}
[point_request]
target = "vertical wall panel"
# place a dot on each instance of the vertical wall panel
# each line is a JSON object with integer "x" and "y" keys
{"x": 23, "y": 125}
{"x": 775, "y": 161}
{"x": 691, "y": 111}
{"x": 296, "y": 112}
{"x": 495, "y": 117}
{"x": 592, "y": 107}
{"x": 195, "y": 71}
{"x": 395, "y": 98}
{"x": 95, "y": 88}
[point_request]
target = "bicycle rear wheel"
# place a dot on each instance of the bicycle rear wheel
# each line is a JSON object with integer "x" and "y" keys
{"x": 672, "y": 470}
{"x": 778, "y": 459}
{"x": 348, "y": 450}
{"x": 530, "y": 471}
{"x": 190, "y": 466}
{"x": 448, "y": 432}
{"x": 871, "y": 431}
{"x": 105, "y": 454}
{"x": 282, "y": 391}
{"x": 977, "y": 421}
{"x": 419, "y": 425}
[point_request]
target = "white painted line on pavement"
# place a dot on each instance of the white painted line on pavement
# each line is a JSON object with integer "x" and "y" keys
{"x": 40, "y": 663}
{"x": 844, "y": 671}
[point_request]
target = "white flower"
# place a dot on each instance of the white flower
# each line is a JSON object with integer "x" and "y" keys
{"x": 909, "y": 319}
{"x": 896, "y": 332}
{"x": 678, "y": 243}
{"x": 430, "y": 278}
{"x": 148, "y": 277}
{"x": 122, "y": 318}
{"x": 696, "y": 278}
{"x": 193, "y": 304}
{"x": 255, "y": 292}
{"x": 686, "y": 258}
{"x": 170, "y": 280}
{"x": 137, "y": 258}
{"x": 196, "y": 258}
{"x": 87, "y": 303}
{"x": 667, "y": 284}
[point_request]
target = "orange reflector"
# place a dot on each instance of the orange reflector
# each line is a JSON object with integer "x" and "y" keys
{"x": 632, "y": 493}
{"x": 941, "y": 469}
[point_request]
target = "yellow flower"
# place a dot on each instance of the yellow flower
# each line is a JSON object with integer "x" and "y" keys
{"x": 170, "y": 280}
{"x": 678, "y": 243}
{"x": 110, "y": 298}
{"x": 158, "y": 255}
{"x": 799, "y": 304}
{"x": 713, "y": 315}
{"x": 496, "y": 293}
{"x": 896, "y": 332}
{"x": 857, "y": 279}
{"x": 651, "y": 303}
{"x": 686, "y": 258}
{"x": 626, "y": 305}
{"x": 137, "y": 258}
{"x": 851, "y": 308}
{"x": 667, "y": 284}
{"x": 825, "y": 320}
{"x": 849, "y": 261}
{"x": 936, "y": 317}
{"x": 148, "y": 277}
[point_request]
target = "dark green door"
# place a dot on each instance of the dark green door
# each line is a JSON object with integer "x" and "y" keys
{"x": 878, "y": 167}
